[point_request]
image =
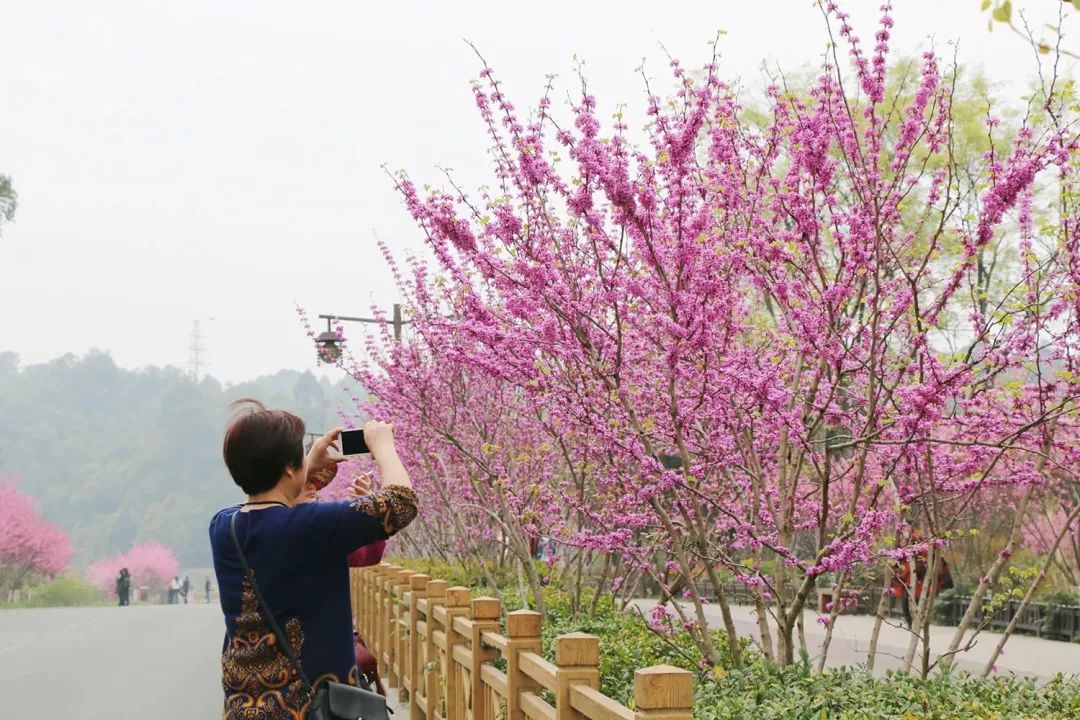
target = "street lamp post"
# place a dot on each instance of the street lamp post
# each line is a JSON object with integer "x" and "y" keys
{"x": 329, "y": 342}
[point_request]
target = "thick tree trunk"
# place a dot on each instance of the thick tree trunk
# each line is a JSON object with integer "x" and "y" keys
{"x": 882, "y": 608}
{"x": 522, "y": 590}
{"x": 926, "y": 604}
{"x": 725, "y": 612}
{"x": 576, "y": 586}
{"x": 800, "y": 627}
{"x": 598, "y": 591}
{"x": 763, "y": 625}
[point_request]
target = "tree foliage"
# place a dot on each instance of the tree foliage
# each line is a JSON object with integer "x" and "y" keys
{"x": 151, "y": 564}
{"x": 779, "y": 348}
{"x": 31, "y": 548}
{"x": 118, "y": 457}
{"x": 8, "y": 200}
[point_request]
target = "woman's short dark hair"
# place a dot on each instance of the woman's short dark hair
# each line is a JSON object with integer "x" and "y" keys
{"x": 261, "y": 444}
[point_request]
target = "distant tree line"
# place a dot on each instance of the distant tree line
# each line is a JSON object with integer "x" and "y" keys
{"x": 116, "y": 456}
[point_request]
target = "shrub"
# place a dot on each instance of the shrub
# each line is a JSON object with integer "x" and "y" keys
{"x": 465, "y": 574}
{"x": 766, "y": 692}
{"x": 763, "y": 691}
{"x": 943, "y": 605}
{"x": 1060, "y": 596}
{"x": 65, "y": 591}
{"x": 626, "y": 642}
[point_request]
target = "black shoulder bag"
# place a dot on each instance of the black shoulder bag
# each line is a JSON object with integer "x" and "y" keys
{"x": 332, "y": 700}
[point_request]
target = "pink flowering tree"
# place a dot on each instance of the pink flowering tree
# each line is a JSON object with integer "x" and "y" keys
{"x": 103, "y": 573}
{"x": 151, "y": 565}
{"x": 31, "y": 548}
{"x": 779, "y": 348}
{"x": 475, "y": 446}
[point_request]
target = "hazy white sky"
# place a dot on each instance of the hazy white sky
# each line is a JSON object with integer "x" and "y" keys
{"x": 186, "y": 160}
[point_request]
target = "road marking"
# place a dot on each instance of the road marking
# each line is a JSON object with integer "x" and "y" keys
{"x": 13, "y": 647}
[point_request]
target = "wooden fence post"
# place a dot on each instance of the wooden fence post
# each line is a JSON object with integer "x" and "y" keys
{"x": 365, "y": 612}
{"x": 370, "y": 610}
{"x": 382, "y": 631}
{"x": 457, "y": 605}
{"x": 523, "y": 631}
{"x": 410, "y": 672}
{"x": 399, "y": 585}
{"x": 663, "y": 692}
{"x": 429, "y": 672}
{"x": 577, "y": 656}
{"x": 485, "y": 613}
{"x": 354, "y": 596}
{"x": 365, "y": 606}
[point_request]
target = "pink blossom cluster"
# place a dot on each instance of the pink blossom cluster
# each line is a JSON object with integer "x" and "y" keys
{"x": 151, "y": 565}
{"x": 31, "y": 547}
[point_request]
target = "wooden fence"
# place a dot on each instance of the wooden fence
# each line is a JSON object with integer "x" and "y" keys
{"x": 443, "y": 650}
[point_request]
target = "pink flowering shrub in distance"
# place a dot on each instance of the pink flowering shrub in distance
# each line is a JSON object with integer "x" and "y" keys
{"x": 30, "y": 547}
{"x": 151, "y": 564}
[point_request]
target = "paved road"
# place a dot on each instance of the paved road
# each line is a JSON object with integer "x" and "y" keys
{"x": 110, "y": 663}
{"x": 145, "y": 661}
{"x": 1023, "y": 655}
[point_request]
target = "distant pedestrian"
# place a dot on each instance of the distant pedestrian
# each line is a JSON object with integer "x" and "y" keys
{"x": 123, "y": 587}
{"x": 174, "y": 590}
{"x": 207, "y": 589}
{"x": 185, "y": 588}
{"x": 903, "y": 588}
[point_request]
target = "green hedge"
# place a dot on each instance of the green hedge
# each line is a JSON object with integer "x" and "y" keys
{"x": 766, "y": 692}
{"x": 762, "y": 691}
{"x": 62, "y": 591}
{"x": 626, "y": 643}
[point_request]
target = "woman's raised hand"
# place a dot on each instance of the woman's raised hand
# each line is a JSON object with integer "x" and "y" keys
{"x": 322, "y": 464}
{"x": 379, "y": 437}
{"x": 362, "y": 485}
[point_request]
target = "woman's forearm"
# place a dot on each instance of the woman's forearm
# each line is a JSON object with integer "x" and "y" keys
{"x": 391, "y": 469}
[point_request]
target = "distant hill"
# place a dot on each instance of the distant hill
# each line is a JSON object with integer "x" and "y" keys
{"x": 117, "y": 456}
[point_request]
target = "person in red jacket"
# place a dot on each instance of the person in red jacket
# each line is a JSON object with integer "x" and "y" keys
{"x": 370, "y": 554}
{"x": 902, "y": 580}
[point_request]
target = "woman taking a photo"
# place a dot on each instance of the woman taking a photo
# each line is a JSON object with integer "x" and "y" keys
{"x": 363, "y": 557}
{"x": 298, "y": 557}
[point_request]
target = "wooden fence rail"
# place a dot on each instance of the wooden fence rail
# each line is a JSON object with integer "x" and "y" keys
{"x": 444, "y": 652}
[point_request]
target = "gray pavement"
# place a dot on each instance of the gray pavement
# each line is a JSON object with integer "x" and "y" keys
{"x": 1023, "y": 654}
{"x": 110, "y": 663}
{"x": 144, "y": 661}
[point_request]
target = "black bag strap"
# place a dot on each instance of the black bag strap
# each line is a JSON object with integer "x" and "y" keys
{"x": 283, "y": 642}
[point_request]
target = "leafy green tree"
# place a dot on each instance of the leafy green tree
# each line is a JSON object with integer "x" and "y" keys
{"x": 118, "y": 457}
{"x": 8, "y": 200}
{"x": 1046, "y": 39}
